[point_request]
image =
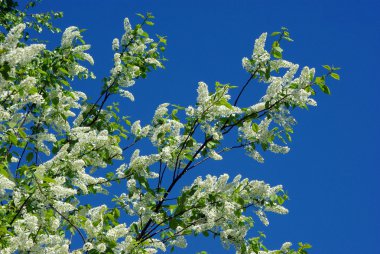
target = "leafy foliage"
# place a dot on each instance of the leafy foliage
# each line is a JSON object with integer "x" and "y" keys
{"x": 53, "y": 140}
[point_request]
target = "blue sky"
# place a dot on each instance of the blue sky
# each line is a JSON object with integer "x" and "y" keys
{"x": 331, "y": 174}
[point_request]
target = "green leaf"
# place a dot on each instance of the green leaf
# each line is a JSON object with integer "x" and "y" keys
{"x": 48, "y": 179}
{"x": 288, "y": 137}
{"x": 162, "y": 39}
{"x": 174, "y": 114}
{"x": 55, "y": 101}
{"x": 64, "y": 71}
{"x": 320, "y": 80}
{"x": 288, "y": 39}
{"x": 140, "y": 15}
{"x": 173, "y": 224}
{"x": 225, "y": 103}
{"x": 41, "y": 71}
{"x": 255, "y": 127}
{"x": 275, "y": 33}
{"x": 264, "y": 146}
{"x": 33, "y": 90}
{"x": 327, "y": 67}
{"x": 45, "y": 178}
{"x": 29, "y": 157}
{"x": 278, "y": 49}
{"x": 267, "y": 72}
{"x": 325, "y": 89}
{"x": 189, "y": 157}
{"x": 4, "y": 70}
{"x": 135, "y": 228}
{"x": 22, "y": 133}
{"x": 172, "y": 208}
{"x": 3, "y": 171}
{"x": 240, "y": 201}
{"x": 12, "y": 124}
{"x": 306, "y": 246}
{"x": 13, "y": 138}
{"x": 277, "y": 54}
{"x": 335, "y": 76}
{"x": 64, "y": 81}
{"x": 149, "y": 23}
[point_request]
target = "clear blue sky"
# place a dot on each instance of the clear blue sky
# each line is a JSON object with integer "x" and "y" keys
{"x": 331, "y": 173}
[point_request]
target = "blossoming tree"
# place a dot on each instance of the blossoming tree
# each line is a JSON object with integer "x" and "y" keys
{"x": 53, "y": 140}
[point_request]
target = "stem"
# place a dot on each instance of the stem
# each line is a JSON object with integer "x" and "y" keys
{"x": 64, "y": 217}
{"x": 245, "y": 85}
{"x": 160, "y": 203}
{"x": 21, "y": 207}
{"x": 72, "y": 224}
{"x": 106, "y": 92}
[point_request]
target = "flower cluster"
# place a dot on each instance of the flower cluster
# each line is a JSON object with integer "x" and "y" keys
{"x": 218, "y": 206}
{"x": 260, "y": 56}
{"x": 134, "y": 55}
{"x": 57, "y": 148}
{"x": 14, "y": 55}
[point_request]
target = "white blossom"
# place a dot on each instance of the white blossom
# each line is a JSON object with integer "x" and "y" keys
{"x": 101, "y": 247}
{"x": 115, "y": 44}
{"x": 160, "y": 112}
{"x": 69, "y": 35}
{"x": 14, "y": 35}
{"x": 260, "y": 55}
{"x": 70, "y": 157}
{"x": 88, "y": 246}
{"x": 203, "y": 93}
{"x": 127, "y": 25}
{"x": 117, "y": 232}
{"x": 153, "y": 61}
{"x": 214, "y": 155}
{"x": 127, "y": 94}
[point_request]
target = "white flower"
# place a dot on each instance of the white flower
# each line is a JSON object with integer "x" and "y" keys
{"x": 117, "y": 232}
{"x": 14, "y": 35}
{"x": 256, "y": 108}
{"x": 214, "y": 155}
{"x": 24, "y": 55}
{"x": 61, "y": 192}
{"x": 179, "y": 241}
{"x": 69, "y": 35}
{"x": 263, "y": 218}
{"x": 161, "y": 110}
{"x": 286, "y": 246}
{"x": 54, "y": 224}
{"x": 278, "y": 149}
{"x": 101, "y": 247}
{"x": 260, "y": 55}
{"x": 120, "y": 170}
{"x": 247, "y": 65}
{"x": 5, "y": 184}
{"x": 153, "y": 61}
{"x": 127, "y": 25}
{"x": 277, "y": 209}
{"x": 126, "y": 94}
{"x": 136, "y": 128}
{"x": 203, "y": 94}
{"x": 63, "y": 207}
{"x": 115, "y": 44}
{"x": 88, "y": 246}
